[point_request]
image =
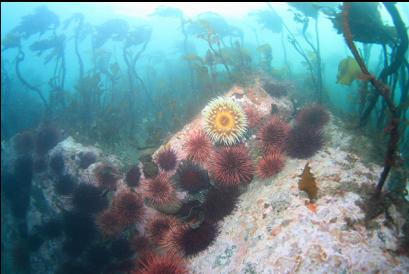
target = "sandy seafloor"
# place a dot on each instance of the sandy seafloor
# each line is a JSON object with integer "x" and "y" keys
{"x": 273, "y": 230}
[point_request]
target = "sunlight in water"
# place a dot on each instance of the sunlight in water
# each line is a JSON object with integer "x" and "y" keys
{"x": 190, "y": 8}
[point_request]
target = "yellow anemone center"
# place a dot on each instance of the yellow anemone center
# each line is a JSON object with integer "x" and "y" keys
{"x": 224, "y": 121}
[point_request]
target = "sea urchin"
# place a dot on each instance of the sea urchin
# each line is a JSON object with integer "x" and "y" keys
{"x": 158, "y": 226}
{"x": 303, "y": 142}
{"x": 189, "y": 241}
{"x": 273, "y": 134}
{"x": 160, "y": 193}
{"x": 232, "y": 166}
{"x": 270, "y": 164}
{"x": 314, "y": 117}
{"x": 129, "y": 206}
{"x": 167, "y": 159}
{"x": 191, "y": 177}
{"x": 109, "y": 223}
{"x": 162, "y": 264}
{"x": 198, "y": 146}
{"x": 219, "y": 203}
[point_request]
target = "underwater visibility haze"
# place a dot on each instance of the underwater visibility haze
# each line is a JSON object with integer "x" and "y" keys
{"x": 205, "y": 137}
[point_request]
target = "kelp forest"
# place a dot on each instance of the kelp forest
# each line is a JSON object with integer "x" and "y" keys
{"x": 105, "y": 85}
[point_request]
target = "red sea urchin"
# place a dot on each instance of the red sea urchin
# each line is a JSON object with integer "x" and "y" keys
{"x": 159, "y": 225}
{"x": 270, "y": 165}
{"x": 167, "y": 159}
{"x": 198, "y": 146}
{"x": 189, "y": 241}
{"x": 109, "y": 223}
{"x": 232, "y": 166}
{"x": 129, "y": 206}
{"x": 253, "y": 116}
{"x": 190, "y": 177}
{"x": 303, "y": 142}
{"x": 314, "y": 117}
{"x": 166, "y": 264}
{"x": 273, "y": 135}
{"x": 142, "y": 245}
{"x": 107, "y": 176}
{"x": 161, "y": 194}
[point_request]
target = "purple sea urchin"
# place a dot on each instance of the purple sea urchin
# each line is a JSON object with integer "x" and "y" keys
{"x": 273, "y": 134}
{"x": 133, "y": 176}
{"x": 190, "y": 177}
{"x": 314, "y": 117}
{"x": 189, "y": 241}
{"x": 303, "y": 142}
{"x": 167, "y": 159}
{"x": 219, "y": 203}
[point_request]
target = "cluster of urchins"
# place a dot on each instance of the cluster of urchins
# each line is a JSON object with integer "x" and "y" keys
{"x": 107, "y": 230}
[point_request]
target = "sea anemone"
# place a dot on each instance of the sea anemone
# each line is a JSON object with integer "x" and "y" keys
{"x": 225, "y": 121}
{"x": 133, "y": 176}
{"x": 107, "y": 176}
{"x": 314, "y": 117}
{"x": 190, "y": 177}
{"x": 129, "y": 206}
{"x": 65, "y": 185}
{"x": 219, "y": 203}
{"x": 167, "y": 159}
{"x": 270, "y": 164}
{"x": 189, "y": 241}
{"x": 88, "y": 199}
{"x": 161, "y": 194}
{"x": 167, "y": 264}
{"x": 47, "y": 137}
{"x": 109, "y": 223}
{"x": 24, "y": 142}
{"x": 273, "y": 134}
{"x": 303, "y": 142}
{"x": 231, "y": 166}
{"x": 159, "y": 225}
{"x": 198, "y": 146}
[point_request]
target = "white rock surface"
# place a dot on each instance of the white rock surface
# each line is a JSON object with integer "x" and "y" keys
{"x": 273, "y": 231}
